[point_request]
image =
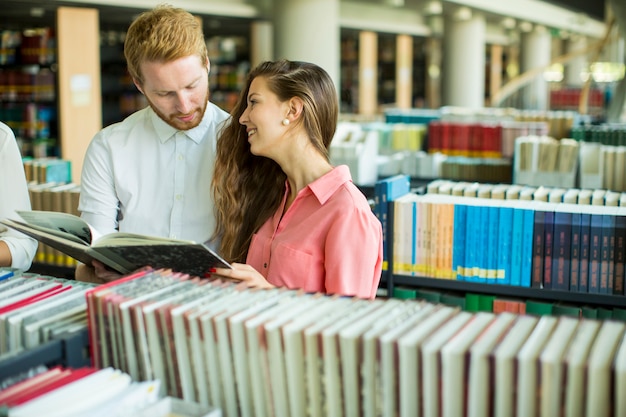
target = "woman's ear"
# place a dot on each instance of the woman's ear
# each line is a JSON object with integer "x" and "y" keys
{"x": 295, "y": 107}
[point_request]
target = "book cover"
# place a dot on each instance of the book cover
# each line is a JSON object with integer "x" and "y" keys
{"x": 505, "y": 247}
{"x": 574, "y": 274}
{"x": 122, "y": 252}
{"x": 595, "y": 250}
{"x": 620, "y": 254}
{"x": 585, "y": 238}
{"x": 607, "y": 254}
{"x": 538, "y": 249}
{"x": 562, "y": 250}
{"x": 548, "y": 255}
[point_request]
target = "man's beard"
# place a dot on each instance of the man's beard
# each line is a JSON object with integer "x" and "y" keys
{"x": 177, "y": 123}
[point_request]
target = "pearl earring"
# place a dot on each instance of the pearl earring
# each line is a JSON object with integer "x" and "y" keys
{"x": 285, "y": 122}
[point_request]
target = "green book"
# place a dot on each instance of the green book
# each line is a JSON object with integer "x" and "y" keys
{"x": 405, "y": 293}
{"x": 566, "y": 310}
{"x": 453, "y": 300}
{"x": 486, "y": 302}
{"x": 619, "y": 314}
{"x": 538, "y": 308}
{"x": 472, "y": 302}
{"x": 429, "y": 295}
{"x": 589, "y": 312}
{"x": 604, "y": 314}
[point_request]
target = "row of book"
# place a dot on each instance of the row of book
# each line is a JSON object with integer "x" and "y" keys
{"x": 284, "y": 353}
{"x": 47, "y": 170}
{"x": 602, "y": 166}
{"x": 572, "y": 240}
{"x": 73, "y": 392}
{"x": 604, "y": 134}
{"x": 58, "y": 197}
{"x": 475, "y": 302}
{"x": 35, "y": 309}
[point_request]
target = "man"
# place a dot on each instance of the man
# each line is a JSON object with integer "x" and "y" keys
{"x": 151, "y": 173}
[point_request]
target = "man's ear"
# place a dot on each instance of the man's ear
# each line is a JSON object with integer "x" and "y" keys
{"x": 138, "y": 85}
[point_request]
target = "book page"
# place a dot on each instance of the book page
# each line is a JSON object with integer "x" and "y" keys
{"x": 58, "y": 223}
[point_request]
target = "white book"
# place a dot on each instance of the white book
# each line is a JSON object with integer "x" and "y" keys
{"x": 454, "y": 362}
{"x": 409, "y": 353}
{"x": 258, "y": 351}
{"x": 389, "y": 363}
{"x": 552, "y": 366}
{"x": 431, "y": 361}
{"x": 332, "y": 380}
{"x": 276, "y": 357}
{"x": 527, "y": 358}
{"x": 599, "y": 372}
{"x": 315, "y": 367}
{"x": 239, "y": 343}
{"x": 134, "y": 334}
{"x": 33, "y": 334}
{"x": 349, "y": 350}
{"x": 576, "y": 363}
{"x": 505, "y": 364}
{"x": 481, "y": 367}
{"x": 619, "y": 369}
{"x": 182, "y": 338}
{"x": 224, "y": 347}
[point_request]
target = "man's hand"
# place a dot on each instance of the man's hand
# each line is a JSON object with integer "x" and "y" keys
{"x": 96, "y": 273}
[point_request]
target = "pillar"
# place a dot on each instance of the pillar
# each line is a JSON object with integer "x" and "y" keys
{"x": 368, "y": 73}
{"x": 572, "y": 73}
{"x": 404, "y": 71}
{"x": 464, "y": 60}
{"x": 535, "y": 53}
{"x": 261, "y": 42}
{"x": 308, "y": 30}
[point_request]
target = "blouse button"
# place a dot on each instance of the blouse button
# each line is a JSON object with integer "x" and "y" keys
{"x": 265, "y": 265}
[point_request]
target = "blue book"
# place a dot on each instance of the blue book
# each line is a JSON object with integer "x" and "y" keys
{"x": 472, "y": 243}
{"x": 505, "y": 239}
{"x": 385, "y": 191}
{"x": 493, "y": 243}
{"x": 561, "y": 250}
{"x": 527, "y": 247}
{"x": 6, "y": 274}
{"x": 459, "y": 238}
{"x": 516, "y": 247}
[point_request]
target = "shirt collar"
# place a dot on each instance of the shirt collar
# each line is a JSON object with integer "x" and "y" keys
{"x": 166, "y": 132}
{"x": 324, "y": 187}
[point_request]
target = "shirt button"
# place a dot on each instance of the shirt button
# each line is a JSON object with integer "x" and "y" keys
{"x": 265, "y": 265}
{"x": 180, "y": 157}
{"x": 179, "y": 197}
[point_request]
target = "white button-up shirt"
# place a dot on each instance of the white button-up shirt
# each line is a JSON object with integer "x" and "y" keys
{"x": 143, "y": 176}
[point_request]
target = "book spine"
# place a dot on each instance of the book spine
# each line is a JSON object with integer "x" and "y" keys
{"x": 516, "y": 247}
{"x": 527, "y": 247}
{"x": 493, "y": 243}
{"x": 562, "y": 251}
{"x": 595, "y": 248}
{"x": 505, "y": 237}
{"x": 458, "y": 251}
{"x": 575, "y": 253}
{"x": 620, "y": 254}
{"x": 607, "y": 253}
{"x": 548, "y": 254}
{"x": 585, "y": 237}
{"x": 538, "y": 249}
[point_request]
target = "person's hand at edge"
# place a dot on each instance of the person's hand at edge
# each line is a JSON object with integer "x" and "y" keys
{"x": 243, "y": 273}
{"x": 96, "y": 273}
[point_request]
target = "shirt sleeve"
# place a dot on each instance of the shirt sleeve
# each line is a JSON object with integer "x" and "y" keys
{"x": 14, "y": 196}
{"x": 98, "y": 204}
{"x": 354, "y": 252}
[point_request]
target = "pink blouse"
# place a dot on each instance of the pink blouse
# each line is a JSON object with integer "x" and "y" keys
{"x": 328, "y": 241}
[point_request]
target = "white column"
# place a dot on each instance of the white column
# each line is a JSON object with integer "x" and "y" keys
{"x": 535, "y": 53}
{"x": 574, "y": 68}
{"x": 308, "y": 30}
{"x": 464, "y": 61}
{"x": 261, "y": 42}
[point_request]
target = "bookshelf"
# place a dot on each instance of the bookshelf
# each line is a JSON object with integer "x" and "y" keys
{"x": 391, "y": 281}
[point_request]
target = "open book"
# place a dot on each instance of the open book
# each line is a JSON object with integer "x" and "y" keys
{"x": 122, "y": 252}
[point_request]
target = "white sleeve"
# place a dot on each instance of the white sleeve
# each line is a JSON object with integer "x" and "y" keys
{"x": 14, "y": 196}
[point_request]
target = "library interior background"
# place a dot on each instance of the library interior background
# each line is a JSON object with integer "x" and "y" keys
{"x": 490, "y": 140}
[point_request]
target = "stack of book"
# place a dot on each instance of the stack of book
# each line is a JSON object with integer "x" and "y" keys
{"x": 283, "y": 352}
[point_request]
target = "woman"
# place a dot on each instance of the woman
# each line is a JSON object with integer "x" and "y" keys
{"x": 281, "y": 207}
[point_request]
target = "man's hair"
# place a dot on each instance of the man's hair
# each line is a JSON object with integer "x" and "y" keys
{"x": 163, "y": 34}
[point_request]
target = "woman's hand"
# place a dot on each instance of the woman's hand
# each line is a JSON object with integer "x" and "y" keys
{"x": 96, "y": 273}
{"x": 243, "y": 273}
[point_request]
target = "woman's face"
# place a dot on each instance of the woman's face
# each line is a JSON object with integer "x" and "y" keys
{"x": 177, "y": 91}
{"x": 263, "y": 119}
